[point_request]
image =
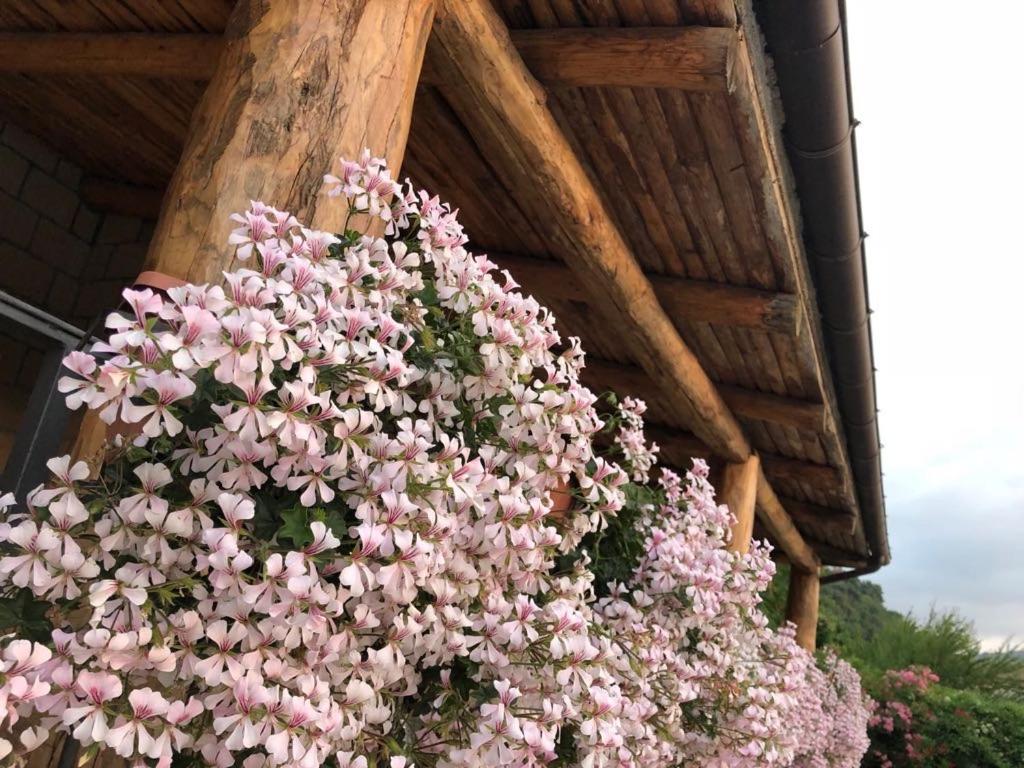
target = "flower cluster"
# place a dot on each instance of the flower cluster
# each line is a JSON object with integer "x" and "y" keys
{"x": 636, "y": 453}
{"x": 831, "y": 718}
{"x": 893, "y": 723}
{"x": 324, "y": 534}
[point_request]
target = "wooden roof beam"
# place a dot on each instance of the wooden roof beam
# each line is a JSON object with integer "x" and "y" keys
{"x": 492, "y": 91}
{"x": 503, "y": 106}
{"x": 780, "y": 527}
{"x": 189, "y": 56}
{"x": 690, "y": 58}
{"x": 678, "y": 447}
{"x": 745, "y": 403}
{"x": 798, "y": 471}
{"x": 682, "y": 299}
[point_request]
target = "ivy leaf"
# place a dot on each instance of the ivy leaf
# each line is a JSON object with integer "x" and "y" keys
{"x": 428, "y": 295}
{"x": 296, "y": 526}
{"x": 335, "y": 520}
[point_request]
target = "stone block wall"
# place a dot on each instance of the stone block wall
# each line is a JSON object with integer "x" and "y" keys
{"x": 57, "y": 253}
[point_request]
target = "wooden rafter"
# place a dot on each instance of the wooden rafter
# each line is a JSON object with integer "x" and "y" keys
{"x": 148, "y": 54}
{"x": 683, "y": 300}
{"x": 498, "y": 99}
{"x": 679, "y": 447}
{"x": 684, "y": 58}
{"x": 491, "y": 89}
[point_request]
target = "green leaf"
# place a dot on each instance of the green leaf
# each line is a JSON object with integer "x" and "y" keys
{"x": 296, "y": 526}
{"x": 428, "y": 295}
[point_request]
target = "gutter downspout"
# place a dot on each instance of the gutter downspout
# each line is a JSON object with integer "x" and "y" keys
{"x": 807, "y": 41}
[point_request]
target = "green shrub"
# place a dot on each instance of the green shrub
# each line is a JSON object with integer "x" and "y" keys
{"x": 945, "y": 728}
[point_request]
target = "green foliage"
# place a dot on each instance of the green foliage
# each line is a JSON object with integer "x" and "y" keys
{"x": 952, "y": 728}
{"x": 946, "y": 644}
{"x": 974, "y": 719}
{"x": 617, "y": 549}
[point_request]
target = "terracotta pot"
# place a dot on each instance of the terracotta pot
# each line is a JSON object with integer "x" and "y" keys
{"x": 158, "y": 281}
{"x": 561, "y": 498}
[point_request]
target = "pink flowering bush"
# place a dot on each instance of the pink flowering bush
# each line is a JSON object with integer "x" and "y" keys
{"x": 326, "y": 536}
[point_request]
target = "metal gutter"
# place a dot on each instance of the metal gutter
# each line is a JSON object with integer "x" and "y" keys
{"x": 807, "y": 42}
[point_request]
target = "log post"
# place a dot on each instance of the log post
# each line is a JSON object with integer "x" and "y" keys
{"x": 739, "y": 493}
{"x": 802, "y": 606}
{"x": 299, "y": 83}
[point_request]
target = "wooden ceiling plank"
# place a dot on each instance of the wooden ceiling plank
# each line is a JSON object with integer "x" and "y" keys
{"x": 803, "y": 513}
{"x": 715, "y": 123}
{"x": 696, "y": 178}
{"x": 678, "y": 198}
{"x": 650, "y": 142}
{"x": 682, "y": 299}
{"x": 572, "y": 111}
{"x": 191, "y": 56}
{"x": 628, "y": 181}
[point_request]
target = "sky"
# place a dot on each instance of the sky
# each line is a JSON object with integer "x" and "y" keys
{"x": 941, "y": 170}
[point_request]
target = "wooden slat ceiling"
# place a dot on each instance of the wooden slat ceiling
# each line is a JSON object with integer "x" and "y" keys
{"x": 678, "y": 169}
{"x": 126, "y": 128}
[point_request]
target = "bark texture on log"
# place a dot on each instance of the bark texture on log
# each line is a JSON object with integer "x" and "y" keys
{"x": 298, "y": 84}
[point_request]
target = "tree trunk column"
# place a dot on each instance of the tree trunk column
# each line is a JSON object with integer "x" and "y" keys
{"x": 300, "y": 83}
{"x": 739, "y": 493}
{"x": 802, "y": 606}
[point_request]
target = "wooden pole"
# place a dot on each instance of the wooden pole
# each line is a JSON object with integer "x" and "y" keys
{"x": 802, "y": 606}
{"x": 739, "y": 493}
{"x": 299, "y": 83}
{"x": 701, "y": 301}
